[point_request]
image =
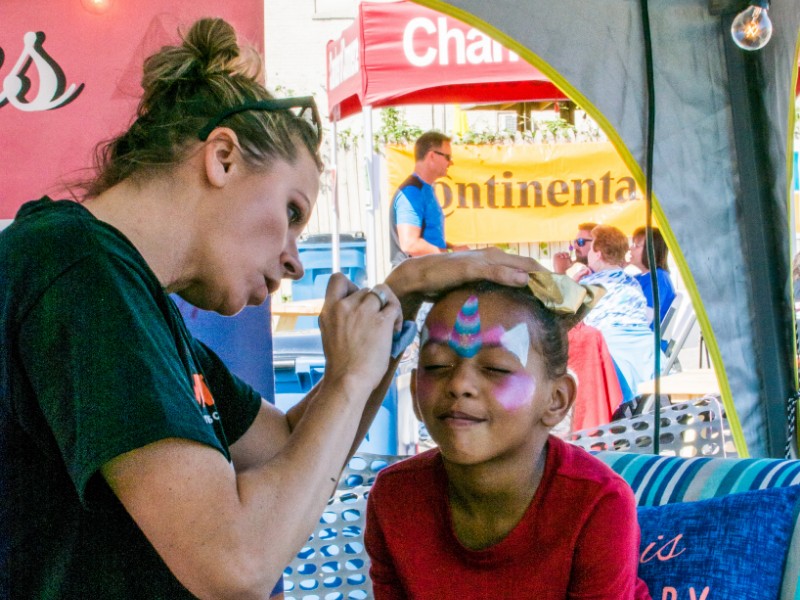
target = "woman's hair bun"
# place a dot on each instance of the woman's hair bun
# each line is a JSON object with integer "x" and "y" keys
{"x": 213, "y": 43}
{"x": 209, "y": 52}
{"x": 205, "y": 78}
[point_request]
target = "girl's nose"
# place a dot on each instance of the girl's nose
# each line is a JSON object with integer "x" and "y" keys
{"x": 462, "y": 381}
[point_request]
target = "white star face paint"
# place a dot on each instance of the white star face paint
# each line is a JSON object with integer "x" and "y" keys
{"x": 517, "y": 340}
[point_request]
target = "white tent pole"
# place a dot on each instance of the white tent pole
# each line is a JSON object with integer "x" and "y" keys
{"x": 336, "y": 262}
{"x": 373, "y": 197}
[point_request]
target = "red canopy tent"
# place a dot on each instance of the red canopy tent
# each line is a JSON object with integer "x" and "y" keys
{"x": 403, "y": 53}
{"x": 399, "y": 53}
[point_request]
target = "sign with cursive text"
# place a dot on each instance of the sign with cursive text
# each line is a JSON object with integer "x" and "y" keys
{"x": 661, "y": 551}
{"x": 69, "y": 78}
{"x": 16, "y": 85}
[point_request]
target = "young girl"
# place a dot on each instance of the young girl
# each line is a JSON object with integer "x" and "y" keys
{"x": 500, "y": 509}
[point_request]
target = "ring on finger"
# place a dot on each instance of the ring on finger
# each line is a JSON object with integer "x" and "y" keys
{"x": 380, "y": 295}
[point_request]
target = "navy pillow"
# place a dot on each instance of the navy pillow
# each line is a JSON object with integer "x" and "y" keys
{"x": 729, "y": 547}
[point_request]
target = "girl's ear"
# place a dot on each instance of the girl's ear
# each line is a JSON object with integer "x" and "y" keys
{"x": 562, "y": 397}
{"x": 220, "y": 156}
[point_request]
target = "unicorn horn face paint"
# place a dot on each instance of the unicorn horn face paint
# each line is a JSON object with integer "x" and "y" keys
{"x": 466, "y": 338}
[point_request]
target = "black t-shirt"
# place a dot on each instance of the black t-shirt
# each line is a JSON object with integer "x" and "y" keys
{"x": 95, "y": 361}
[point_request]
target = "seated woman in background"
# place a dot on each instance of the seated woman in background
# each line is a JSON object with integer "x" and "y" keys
{"x": 639, "y": 259}
{"x": 621, "y": 315}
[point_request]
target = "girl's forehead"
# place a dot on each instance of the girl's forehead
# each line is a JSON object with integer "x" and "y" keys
{"x": 475, "y": 326}
{"x": 492, "y": 309}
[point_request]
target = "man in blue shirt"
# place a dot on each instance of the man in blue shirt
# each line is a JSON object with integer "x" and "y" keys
{"x": 417, "y": 220}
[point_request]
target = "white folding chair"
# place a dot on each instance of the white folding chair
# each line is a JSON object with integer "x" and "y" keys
{"x": 677, "y": 331}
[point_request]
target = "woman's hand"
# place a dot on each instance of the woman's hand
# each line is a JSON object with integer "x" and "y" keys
{"x": 422, "y": 276}
{"x": 357, "y": 328}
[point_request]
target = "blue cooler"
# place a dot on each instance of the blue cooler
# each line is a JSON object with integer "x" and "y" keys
{"x": 316, "y": 254}
{"x": 300, "y": 363}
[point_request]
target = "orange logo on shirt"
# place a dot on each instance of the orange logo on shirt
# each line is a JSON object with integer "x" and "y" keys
{"x": 201, "y": 392}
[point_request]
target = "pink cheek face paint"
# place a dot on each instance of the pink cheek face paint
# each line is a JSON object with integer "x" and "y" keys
{"x": 515, "y": 391}
{"x": 425, "y": 388}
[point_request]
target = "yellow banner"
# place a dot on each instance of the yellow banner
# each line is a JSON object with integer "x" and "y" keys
{"x": 529, "y": 193}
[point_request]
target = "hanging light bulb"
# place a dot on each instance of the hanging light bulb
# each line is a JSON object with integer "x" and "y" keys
{"x": 752, "y": 28}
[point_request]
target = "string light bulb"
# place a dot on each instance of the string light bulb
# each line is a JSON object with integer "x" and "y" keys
{"x": 752, "y": 28}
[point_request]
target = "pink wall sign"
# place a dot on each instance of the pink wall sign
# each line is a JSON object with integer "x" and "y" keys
{"x": 69, "y": 78}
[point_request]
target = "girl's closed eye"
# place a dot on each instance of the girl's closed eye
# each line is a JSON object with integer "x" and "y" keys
{"x": 433, "y": 367}
{"x": 434, "y": 361}
{"x": 496, "y": 370}
{"x": 497, "y": 359}
{"x": 435, "y": 357}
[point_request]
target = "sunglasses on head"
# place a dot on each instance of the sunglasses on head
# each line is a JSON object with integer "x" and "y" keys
{"x": 581, "y": 242}
{"x": 302, "y": 107}
{"x": 448, "y": 157}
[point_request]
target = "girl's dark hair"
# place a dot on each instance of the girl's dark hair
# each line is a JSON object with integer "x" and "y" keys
{"x": 549, "y": 332}
{"x": 185, "y": 86}
{"x": 659, "y": 248}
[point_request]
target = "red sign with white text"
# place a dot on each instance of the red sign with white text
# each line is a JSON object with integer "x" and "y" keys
{"x": 404, "y": 53}
{"x": 69, "y": 78}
